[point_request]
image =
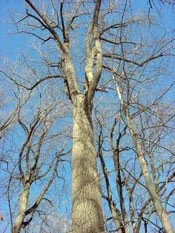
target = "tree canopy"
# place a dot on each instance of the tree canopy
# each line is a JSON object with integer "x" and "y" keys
{"x": 87, "y": 119}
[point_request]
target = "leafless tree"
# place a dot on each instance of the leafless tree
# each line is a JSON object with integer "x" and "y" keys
{"x": 92, "y": 50}
{"x": 35, "y": 154}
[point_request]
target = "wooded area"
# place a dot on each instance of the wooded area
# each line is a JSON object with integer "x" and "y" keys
{"x": 87, "y": 120}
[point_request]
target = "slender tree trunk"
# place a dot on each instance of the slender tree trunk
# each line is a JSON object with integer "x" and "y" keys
{"x": 120, "y": 190}
{"x": 87, "y": 216}
{"x": 161, "y": 211}
{"x": 23, "y": 201}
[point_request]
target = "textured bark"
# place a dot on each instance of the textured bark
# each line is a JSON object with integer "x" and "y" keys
{"x": 22, "y": 208}
{"x": 87, "y": 213}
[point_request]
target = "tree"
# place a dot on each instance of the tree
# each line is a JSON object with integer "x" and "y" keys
{"x": 37, "y": 162}
{"x": 112, "y": 60}
{"x": 87, "y": 211}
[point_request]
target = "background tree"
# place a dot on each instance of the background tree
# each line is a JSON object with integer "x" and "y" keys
{"x": 32, "y": 149}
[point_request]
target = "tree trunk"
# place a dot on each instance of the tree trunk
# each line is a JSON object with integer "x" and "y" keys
{"x": 87, "y": 216}
{"x": 23, "y": 201}
{"x": 161, "y": 211}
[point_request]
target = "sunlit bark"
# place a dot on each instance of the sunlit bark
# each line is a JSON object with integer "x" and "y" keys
{"x": 87, "y": 211}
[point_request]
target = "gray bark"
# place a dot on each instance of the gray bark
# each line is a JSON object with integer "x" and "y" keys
{"x": 87, "y": 213}
{"x": 161, "y": 211}
{"x": 23, "y": 201}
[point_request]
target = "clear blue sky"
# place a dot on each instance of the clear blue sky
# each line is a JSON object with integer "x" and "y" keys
{"x": 11, "y": 45}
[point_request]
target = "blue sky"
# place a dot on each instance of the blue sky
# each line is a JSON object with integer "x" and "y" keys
{"x": 11, "y": 45}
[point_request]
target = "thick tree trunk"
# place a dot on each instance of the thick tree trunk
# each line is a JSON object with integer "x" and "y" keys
{"x": 87, "y": 216}
{"x": 23, "y": 201}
